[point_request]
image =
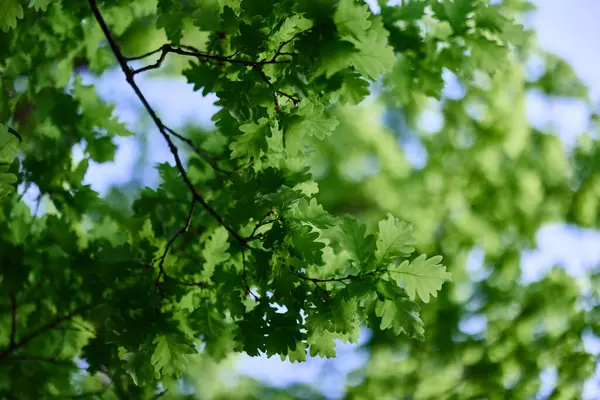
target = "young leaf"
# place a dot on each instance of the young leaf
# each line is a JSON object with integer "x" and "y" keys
{"x": 311, "y": 120}
{"x": 355, "y": 240}
{"x": 354, "y": 89}
{"x": 311, "y": 212}
{"x": 395, "y": 239}
{"x": 11, "y": 12}
{"x": 422, "y": 276}
{"x": 252, "y": 142}
{"x": 402, "y": 316}
{"x": 215, "y": 251}
{"x": 170, "y": 355}
{"x": 375, "y": 55}
{"x": 352, "y": 19}
{"x": 322, "y": 344}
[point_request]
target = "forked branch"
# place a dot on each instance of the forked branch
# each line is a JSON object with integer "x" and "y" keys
{"x": 129, "y": 77}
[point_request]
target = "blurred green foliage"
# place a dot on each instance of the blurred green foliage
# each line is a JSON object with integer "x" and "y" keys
{"x": 302, "y": 196}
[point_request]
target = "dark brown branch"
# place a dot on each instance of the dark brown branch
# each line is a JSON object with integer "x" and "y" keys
{"x": 245, "y": 278}
{"x": 265, "y": 78}
{"x": 148, "y": 54}
{"x": 262, "y": 222}
{"x": 14, "y": 133}
{"x": 318, "y": 280}
{"x": 211, "y": 159}
{"x": 193, "y": 52}
{"x": 129, "y": 77}
{"x": 286, "y": 42}
{"x": 40, "y": 331}
{"x": 294, "y": 100}
{"x": 160, "y": 394}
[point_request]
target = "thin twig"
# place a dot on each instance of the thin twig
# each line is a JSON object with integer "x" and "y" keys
{"x": 192, "y": 52}
{"x": 318, "y": 280}
{"x": 294, "y": 100}
{"x": 129, "y": 77}
{"x": 283, "y": 44}
{"x": 161, "y": 263}
{"x": 262, "y": 222}
{"x": 160, "y": 394}
{"x": 245, "y": 278}
{"x": 265, "y": 78}
{"x": 211, "y": 159}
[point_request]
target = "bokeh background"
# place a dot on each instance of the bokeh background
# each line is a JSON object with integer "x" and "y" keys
{"x": 569, "y": 29}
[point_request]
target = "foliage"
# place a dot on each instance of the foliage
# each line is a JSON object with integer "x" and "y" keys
{"x": 265, "y": 235}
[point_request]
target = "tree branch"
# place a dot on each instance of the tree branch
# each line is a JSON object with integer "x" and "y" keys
{"x": 161, "y": 263}
{"x": 317, "y": 280}
{"x": 193, "y": 52}
{"x": 129, "y": 77}
{"x": 211, "y": 159}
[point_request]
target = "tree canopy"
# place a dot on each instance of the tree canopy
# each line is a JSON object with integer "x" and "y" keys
{"x": 298, "y": 219}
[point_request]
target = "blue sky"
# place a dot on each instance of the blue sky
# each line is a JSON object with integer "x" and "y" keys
{"x": 567, "y": 28}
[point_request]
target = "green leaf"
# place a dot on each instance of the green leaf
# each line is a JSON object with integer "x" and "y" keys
{"x": 310, "y": 212}
{"x": 290, "y": 27}
{"x": 305, "y": 242}
{"x": 421, "y": 276}
{"x": 296, "y": 355}
{"x": 11, "y": 12}
{"x": 215, "y": 251}
{"x": 40, "y": 4}
{"x": 6, "y": 183}
{"x": 310, "y": 119}
{"x": 101, "y": 149}
{"x": 97, "y": 113}
{"x": 395, "y": 239}
{"x": 354, "y": 89}
{"x": 207, "y": 15}
{"x": 9, "y": 143}
{"x": 375, "y": 56}
{"x": 334, "y": 57}
{"x": 171, "y": 14}
{"x": 486, "y": 53}
{"x": 204, "y": 76}
{"x": 170, "y": 357}
{"x": 322, "y": 344}
{"x": 253, "y": 141}
{"x": 352, "y": 19}
{"x": 355, "y": 240}
{"x": 402, "y": 316}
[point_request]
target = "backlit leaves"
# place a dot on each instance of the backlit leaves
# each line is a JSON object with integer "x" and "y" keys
{"x": 395, "y": 239}
{"x": 11, "y": 12}
{"x": 9, "y": 142}
{"x": 269, "y": 262}
{"x": 311, "y": 119}
{"x": 170, "y": 355}
{"x": 351, "y": 19}
{"x": 423, "y": 276}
